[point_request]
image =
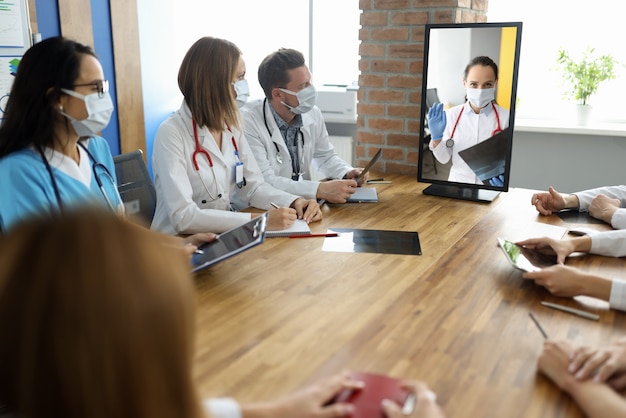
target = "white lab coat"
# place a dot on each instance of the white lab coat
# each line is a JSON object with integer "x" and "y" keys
{"x": 618, "y": 221}
{"x": 609, "y": 243}
{"x": 317, "y": 151}
{"x": 183, "y": 204}
{"x": 471, "y": 129}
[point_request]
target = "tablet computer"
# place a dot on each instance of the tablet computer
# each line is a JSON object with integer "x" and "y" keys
{"x": 363, "y": 194}
{"x": 230, "y": 243}
{"x": 523, "y": 258}
{"x": 369, "y": 165}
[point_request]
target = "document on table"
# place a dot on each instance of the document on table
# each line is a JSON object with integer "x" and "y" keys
{"x": 299, "y": 227}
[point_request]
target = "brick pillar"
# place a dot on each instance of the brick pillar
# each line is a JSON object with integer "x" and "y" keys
{"x": 390, "y": 83}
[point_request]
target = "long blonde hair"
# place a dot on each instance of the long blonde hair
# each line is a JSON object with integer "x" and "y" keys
{"x": 97, "y": 317}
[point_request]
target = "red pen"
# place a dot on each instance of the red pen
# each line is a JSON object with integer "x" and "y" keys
{"x": 331, "y": 234}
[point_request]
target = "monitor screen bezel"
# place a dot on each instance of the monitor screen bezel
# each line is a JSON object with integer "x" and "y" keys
{"x": 467, "y": 190}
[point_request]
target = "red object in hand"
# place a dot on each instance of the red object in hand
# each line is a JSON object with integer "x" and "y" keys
{"x": 368, "y": 400}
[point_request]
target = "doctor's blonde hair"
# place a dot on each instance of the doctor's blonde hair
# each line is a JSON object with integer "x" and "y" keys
{"x": 205, "y": 78}
{"x": 98, "y": 315}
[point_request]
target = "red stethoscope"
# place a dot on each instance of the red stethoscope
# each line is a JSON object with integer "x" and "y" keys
{"x": 200, "y": 150}
{"x": 450, "y": 141}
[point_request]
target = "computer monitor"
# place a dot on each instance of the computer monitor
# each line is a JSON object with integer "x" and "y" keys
{"x": 448, "y": 50}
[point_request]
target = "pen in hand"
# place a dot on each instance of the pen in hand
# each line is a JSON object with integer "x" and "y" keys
{"x": 274, "y": 205}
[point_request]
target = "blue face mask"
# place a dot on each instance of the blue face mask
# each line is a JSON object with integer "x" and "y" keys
{"x": 306, "y": 99}
{"x": 243, "y": 92}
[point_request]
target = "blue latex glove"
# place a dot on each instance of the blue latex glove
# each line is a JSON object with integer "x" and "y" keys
{"x": 497, "y": 181}
{"x": 436, "y": 121}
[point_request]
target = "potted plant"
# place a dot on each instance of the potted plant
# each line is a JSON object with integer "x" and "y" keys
{"x": 585, "y": 76}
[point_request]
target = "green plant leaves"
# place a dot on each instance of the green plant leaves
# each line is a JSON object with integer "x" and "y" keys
{"x": 587, "y": 74}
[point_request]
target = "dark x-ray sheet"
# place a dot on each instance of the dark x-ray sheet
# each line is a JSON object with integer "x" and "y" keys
{"x": 488, "y": 158}
{"x": 373, "y": 241}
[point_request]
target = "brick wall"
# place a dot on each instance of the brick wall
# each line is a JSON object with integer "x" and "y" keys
{"x": 390, "y": 83}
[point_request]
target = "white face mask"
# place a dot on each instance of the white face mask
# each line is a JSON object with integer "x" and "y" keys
{"x": 306, "y": 99}
{"x": 480, "y": 97}
{"x": 243, "y": 92}
{"x": 99, "y": 110}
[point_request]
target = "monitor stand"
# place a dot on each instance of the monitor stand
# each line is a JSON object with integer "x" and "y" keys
{"x": 460, "y": 192}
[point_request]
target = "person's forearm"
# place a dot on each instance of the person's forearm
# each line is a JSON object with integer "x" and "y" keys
{"x": 597, "y": 400}
{"x": 596, "y": 286}
{"x": 582, "y": 244}
{"x": 571, "y": 201}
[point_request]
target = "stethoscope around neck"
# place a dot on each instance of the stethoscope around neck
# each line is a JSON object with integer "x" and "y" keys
{"x": 200, "y": 150}
{"x": 95, "y": 167}
{"x": 450, "y": 141}
{"x": 279, "y": 157}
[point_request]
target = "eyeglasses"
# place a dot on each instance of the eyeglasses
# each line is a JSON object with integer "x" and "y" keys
{"x": 102, "y": 86}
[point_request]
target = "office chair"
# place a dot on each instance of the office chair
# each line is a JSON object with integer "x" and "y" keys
{"x": 431, "y": 99}
{"x": 135, "y": 185}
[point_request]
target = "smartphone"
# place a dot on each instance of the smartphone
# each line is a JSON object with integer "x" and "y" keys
{"x": 525, "y": 259}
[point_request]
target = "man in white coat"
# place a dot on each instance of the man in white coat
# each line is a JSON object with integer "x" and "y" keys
{"x": 288, "y": 135}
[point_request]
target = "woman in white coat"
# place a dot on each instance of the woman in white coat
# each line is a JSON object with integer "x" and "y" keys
{"x": 468, "y": 124}
{"x": 204, "y": 170}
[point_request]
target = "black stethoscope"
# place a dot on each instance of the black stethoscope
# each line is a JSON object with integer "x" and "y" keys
{"x": 98, "y": 169}
{"x": 200, "y": 150}
{"x": 450, "y": 141}
{"x": 295, "y": 169}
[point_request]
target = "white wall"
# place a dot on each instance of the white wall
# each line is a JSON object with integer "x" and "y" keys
{"x": 450, "y": 51}
{"x": 567, "y": 162}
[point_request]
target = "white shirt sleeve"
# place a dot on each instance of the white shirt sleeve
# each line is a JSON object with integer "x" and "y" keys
{"x": 222, "y": 408}
{"x": 617, "y": 299}
{"x": 618, "y": 221}
{"x": 609, "y": 243}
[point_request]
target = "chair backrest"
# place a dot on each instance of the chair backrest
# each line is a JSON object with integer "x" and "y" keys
{"x": 135, "y": 185}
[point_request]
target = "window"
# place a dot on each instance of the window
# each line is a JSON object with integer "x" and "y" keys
{"x": 257, "y": 28}
{"x": 573, "y": 25}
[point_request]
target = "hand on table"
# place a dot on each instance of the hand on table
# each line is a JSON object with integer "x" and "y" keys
{"x": 425, "y": 403}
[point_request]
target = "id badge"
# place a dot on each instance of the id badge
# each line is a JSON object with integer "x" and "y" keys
{"x": 239, "y": 173}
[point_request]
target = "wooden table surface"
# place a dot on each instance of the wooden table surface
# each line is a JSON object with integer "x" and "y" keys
{"x": 286, "y": 313}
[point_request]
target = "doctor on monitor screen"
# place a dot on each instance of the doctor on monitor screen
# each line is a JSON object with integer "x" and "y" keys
{"x": 470, "y": 123}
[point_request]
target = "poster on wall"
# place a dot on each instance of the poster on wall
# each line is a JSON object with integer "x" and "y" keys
{"x": 15, "y": 39}
{"x": 13, "y": 24}
{"x": 8, "y": 68}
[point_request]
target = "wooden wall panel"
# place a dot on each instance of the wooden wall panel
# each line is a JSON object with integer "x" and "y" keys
{"x": 32, "y": 14}
{"x": 75, "y": 18}
{"x": 125, "y": 35}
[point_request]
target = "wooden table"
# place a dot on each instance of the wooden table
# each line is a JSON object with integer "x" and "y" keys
{"x": 286, "y": 313}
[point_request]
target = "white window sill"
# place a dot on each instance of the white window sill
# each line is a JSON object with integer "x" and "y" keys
{"x": 564, "y": 127}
